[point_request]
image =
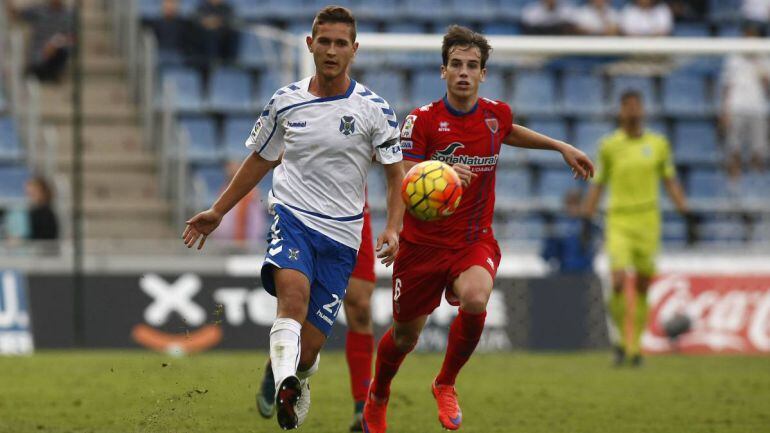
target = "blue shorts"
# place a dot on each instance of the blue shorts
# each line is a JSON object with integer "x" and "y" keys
{"x": 326, "y": 263}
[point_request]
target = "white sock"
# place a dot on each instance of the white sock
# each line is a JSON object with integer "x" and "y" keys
{"x": 302, "y": 375}
{"x": 284, "y": 348}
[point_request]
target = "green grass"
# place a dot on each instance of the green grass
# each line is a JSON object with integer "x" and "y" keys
{"x": 132, "y": 391}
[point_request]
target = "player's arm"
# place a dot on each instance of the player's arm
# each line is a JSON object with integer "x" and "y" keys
{"x": 394, "y": 175}
{"x": 579, "y": 162}
{"x": 592, "y": 200}
{"x": 252, "y": 170}
{"x": 676, "y": 192}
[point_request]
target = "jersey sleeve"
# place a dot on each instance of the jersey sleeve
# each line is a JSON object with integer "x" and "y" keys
{"x": 413, "y": 142}
{"x": 667, "y": 168}
{"x": 384, "y": 135}
{"x": 603, "y": 164}
{"x": 266, "y": 138}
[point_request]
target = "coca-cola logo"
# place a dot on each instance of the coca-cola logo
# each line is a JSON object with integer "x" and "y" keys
{"x": 728, "y": 313}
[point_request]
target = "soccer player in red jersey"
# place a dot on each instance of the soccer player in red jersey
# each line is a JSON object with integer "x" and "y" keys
{"x": 459, "y": 255}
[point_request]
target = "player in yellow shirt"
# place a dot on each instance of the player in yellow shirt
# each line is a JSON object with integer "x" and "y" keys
{"x": 632, "y": 162}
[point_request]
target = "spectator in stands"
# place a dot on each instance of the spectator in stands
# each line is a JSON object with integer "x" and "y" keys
{"x": 570, "y": 250}
{"x": 756, "y": 11}
{"x": 689, "y": 10}
{"x": 246, "y": 222}
{"x": 546, "y": 17}
{"x": 745, "y": 83}
{"x": 38, "y": 220}
{"x": 646, "y": 18}
{"x": 219, "y": 38}
{"x": 596, "y": 18}
{"x": 50, "y": 40}
{"x": 176, "y": 34}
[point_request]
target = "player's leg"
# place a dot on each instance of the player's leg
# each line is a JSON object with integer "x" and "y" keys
{"x": 397, "y": 342}
{"x": 359, "y": 342}
{"x": 618, "y": 246}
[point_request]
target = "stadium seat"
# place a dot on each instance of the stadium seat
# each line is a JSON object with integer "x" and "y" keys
{"x": 685, "y": 94}
{"x": 511, "y": 9}
{"x": 427, "y": 86}
{"x": 494, "y": 87}
{"x": 427, "y": 10}
{"x": 722, "y": 233}
{"x": 501, "y": 28}
{"x": 256, "y": 51}
{"x": 729, "y": 30}
{"x": 707, "y": 185}
{"x": 376, "y": 188}
{"x": 269, "y": 82}
{"x": 477, "y": 10}
{"x": 202, "y": 136}
{"x": 583, "y": 94}
{"x": 208, "y": 183}
{"x": 12, "y": 180}
{"x": 643, "y": 85}
{"x": 10, "y": 144}
{"x": 553, "y": 184}
{"x": 554, "y": 128}
{"x": 404, "y": 27}
{"x": 695, "y": 141}
{"x": 230, "y": 89}
{"x": 699, "y": 30}
{"x": 512, "y": 155}
{"x": 589, "y": 133}
{"x": 534, "y": 93}
{"x": 674, "y": 230}
{"x": 283, "y": 10}
{"x": 388, "y": 84}
{"x": 754, "y": 187}
{"x": 378, "y": 9}
{"x": 530, "y": 228}
{"x": 236, "y": 131}
{"x": 724, "y": 10}
{"x": 188, "y": 87}
{"x": 512, "y": 185}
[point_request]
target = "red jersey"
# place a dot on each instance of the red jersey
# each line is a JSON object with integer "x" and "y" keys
{"x": 438, "y": 131}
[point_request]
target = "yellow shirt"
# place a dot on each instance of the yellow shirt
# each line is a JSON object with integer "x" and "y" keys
{"x": 632, "y": 169}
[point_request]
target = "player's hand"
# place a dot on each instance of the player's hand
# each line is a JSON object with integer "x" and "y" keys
{"x": 579, "y": 162}
{"x": 387, "y": 246}
{"x": 200, "y": 226}
{"x": 691, "y": 222}
{"x": 465, "y": 174}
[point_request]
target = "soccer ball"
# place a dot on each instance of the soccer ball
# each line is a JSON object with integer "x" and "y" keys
{"x": 431, "y": 190}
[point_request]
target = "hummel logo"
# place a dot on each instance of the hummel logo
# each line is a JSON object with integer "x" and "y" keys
{"x": 276, "y": 250}
{"x": 443, "y": 127}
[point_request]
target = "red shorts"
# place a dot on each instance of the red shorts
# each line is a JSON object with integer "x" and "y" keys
{"x": 364, "y": 269}
{"x": 422, "y": 273}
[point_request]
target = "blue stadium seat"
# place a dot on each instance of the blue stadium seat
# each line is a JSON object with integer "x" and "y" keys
{"x": 300, "y": 27}
{"x": 428, "y": 10}
{"x": 12, "y": 180}
{"x": 427, "y": 86}
{"x": 10, "y": 144}
{"x": 477, "y": 10}
{"x": 674, "y": 230}
{"x": 494, "y": 87}
{"x": 534, "y": 93}
{"x": 236, "y": 131}
{"x": 754, "y": 187}
{"x": 589, "y": 133}
{"x": 695, "y": 141}
{"x": 269, "y": 82}
{"x": 376, "y": 188}
{"x": 729, "y": 30}
{"x": 256, "y": 51}
{"x": 281, "y": 9}
{"x": 512, "y": 185}
{"x": 554, "y": 183}
{"x": 704, "y": 184}
{"x": 208, "y": 183}
{"x": 404, "y": 27}
{"x": 643, "y": 85}
{"x": 512, "y": 155}
{"x": 700, "y": 30}
{"x": 230, "y": 89}
{"x": 501, "y": 28}
{"x": 389, "y": 85}
{"x": 554, "y": 128}
{"x": 583, "y": 94}
{"x": 722, "y": 232}
{"x": 378, "y": 9}
{"x": 724, "y": 10}
{"x": 188, "y": 87}
{"x": 149, "y": 9}
{"x": 685, "y": 94}
{"x": 511, "y": 9}
{"x": 202, "y": 135}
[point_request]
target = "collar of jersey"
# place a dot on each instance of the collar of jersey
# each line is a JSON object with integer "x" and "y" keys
{"x": 335, "y": 97}
{"x": 455, "y": 112}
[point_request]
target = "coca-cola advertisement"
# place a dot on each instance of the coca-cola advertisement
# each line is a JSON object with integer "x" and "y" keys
{"x": 709, "y": 314}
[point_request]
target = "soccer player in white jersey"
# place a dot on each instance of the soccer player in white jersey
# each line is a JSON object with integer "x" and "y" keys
{"x": 320, "y": 135}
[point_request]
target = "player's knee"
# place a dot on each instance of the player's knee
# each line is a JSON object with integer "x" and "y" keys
{"x": 358, "y": 313}
{"x": 474, "y": 298}
{"x": 405, "y": 340}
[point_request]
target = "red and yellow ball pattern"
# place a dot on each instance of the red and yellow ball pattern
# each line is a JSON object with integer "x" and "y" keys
{"x": 431, "y": 190}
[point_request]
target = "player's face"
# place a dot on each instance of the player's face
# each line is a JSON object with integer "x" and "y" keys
{"x": 333, "y": 49}
{"x": 631, "y": 110}
{"x": 463, "y": 72}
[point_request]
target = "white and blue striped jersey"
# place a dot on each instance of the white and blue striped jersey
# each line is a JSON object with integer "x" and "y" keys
{"x": 328, "y": 145}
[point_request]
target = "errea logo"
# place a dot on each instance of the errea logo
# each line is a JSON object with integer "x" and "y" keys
{"x": 443, "y": 127}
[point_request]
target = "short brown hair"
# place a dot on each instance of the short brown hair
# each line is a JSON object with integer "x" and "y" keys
{"x": 459, "y": 36}
{"x": 335, "y": 14}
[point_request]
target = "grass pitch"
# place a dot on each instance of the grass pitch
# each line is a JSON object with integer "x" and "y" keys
{"x": 133, "y": 391}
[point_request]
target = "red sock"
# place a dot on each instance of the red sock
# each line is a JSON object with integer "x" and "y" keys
{"x": 389, "y": 359}
{"x": 359, "y": 350}
{"x": 464, "y": 335}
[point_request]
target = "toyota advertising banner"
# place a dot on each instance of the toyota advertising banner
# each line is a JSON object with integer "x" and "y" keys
{"x": 727, "y": 314}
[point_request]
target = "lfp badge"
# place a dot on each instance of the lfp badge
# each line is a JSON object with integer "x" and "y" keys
{"x": 15, "y": 326}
